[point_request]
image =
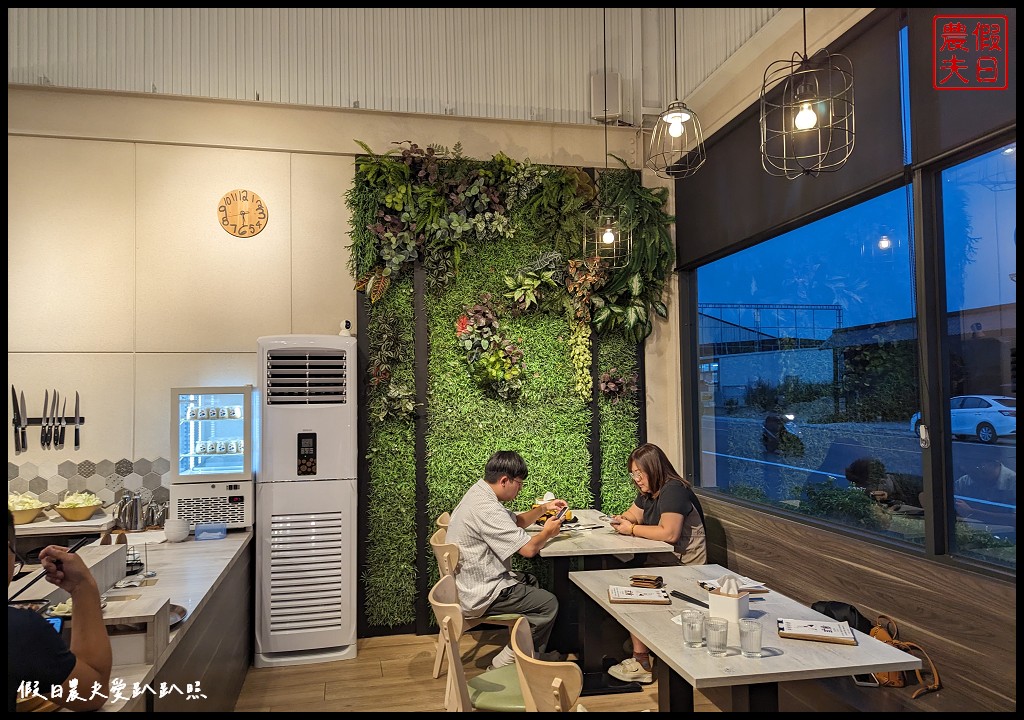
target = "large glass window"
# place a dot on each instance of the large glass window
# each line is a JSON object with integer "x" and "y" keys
{"x": 979, "y": 226}
{"x": 809, "y": 379}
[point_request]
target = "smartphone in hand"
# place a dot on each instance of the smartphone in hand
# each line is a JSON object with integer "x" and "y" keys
{"x": 561, "y": 513}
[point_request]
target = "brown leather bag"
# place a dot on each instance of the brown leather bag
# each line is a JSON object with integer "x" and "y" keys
{"x": 887, "y": 631}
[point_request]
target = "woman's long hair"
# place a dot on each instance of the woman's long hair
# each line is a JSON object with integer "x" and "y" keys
{"x": 656, "y": 466}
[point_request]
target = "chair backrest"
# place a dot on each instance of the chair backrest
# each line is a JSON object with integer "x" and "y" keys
{"x": 547, "y": 686}
{"x": 444, "y": 600}
{"x": 447, "y": 553}
{"x": 443, "y": 519}
{"x": 458, "y": 696}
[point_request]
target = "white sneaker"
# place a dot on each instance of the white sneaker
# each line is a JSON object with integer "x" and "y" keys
{"x": 507, "y": 656}
{"x": 630, "y": 670}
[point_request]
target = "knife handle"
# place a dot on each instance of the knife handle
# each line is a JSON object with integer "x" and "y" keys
{"x": 24, "y": 438}
{"x": 17, "y": 438}
{"x": 77, "y": 438}
{"x": 60, "y": 441}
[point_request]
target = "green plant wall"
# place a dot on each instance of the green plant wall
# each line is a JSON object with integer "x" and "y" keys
{"x": 508, "y": 339}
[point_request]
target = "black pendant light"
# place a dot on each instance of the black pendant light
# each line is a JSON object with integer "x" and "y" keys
{"x": 604, "y": 236}
{"x": 807, "y": 118}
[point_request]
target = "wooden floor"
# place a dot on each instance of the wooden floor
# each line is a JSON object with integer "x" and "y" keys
{"x": 392, "y": 674}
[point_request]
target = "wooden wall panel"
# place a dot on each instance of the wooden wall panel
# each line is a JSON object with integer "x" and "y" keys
{"x": 966, "y": 621}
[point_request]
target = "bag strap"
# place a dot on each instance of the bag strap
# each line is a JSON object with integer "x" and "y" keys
{"x": 890, "y": 626}
{"x": 936, "y": 682}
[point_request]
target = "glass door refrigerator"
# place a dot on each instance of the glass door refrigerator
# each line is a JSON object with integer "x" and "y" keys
{"x": 212, "y": 449}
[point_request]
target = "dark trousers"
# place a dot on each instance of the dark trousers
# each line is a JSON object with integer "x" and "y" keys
{"x": 536, "y": 604}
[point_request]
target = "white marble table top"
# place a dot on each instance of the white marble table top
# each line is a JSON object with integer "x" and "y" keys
{"x": 597, "y": 537}
{"x": 784, "y": 659}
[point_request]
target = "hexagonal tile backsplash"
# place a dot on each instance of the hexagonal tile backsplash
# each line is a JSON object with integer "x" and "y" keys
{"x": 106, "y": 478}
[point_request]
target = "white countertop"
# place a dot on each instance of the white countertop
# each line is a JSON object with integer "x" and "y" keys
{"x": 188, "y": 573}
{"x": 51, "y": 523}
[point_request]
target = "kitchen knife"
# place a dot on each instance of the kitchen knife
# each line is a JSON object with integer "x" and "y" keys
{"x": 42, "y": 427}
{"x": 52, "y": 439}
{"x": 24, "y": 422}
{"x": 63, "y": 424}
{"x": 16, "y": 421}
{"x": 78, "y": 422}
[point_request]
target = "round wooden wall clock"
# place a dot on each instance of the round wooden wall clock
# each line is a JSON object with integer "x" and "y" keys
{"x": 242, "y": 213}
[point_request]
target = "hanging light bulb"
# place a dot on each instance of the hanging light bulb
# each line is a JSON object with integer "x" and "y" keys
{"x": 675, "y": 120}
{"x": 604, "y": 237}
{"x": 677, "y": 147}
{"x": 807, "y": 119}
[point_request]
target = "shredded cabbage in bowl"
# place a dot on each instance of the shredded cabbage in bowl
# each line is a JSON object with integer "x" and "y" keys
{"x": 23, "y": 501}
{"x": 79, "y": 499}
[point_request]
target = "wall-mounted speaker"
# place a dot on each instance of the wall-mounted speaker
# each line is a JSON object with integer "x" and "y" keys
{"x": 600, "y": 109}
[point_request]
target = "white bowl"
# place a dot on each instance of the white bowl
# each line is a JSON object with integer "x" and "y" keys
{"x": 176, "y": 534}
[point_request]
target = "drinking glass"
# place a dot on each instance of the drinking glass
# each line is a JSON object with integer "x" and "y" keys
{"x": 693, "y": 628}
{"x": 750, "y": 637}
{"x": 718, "y": 636}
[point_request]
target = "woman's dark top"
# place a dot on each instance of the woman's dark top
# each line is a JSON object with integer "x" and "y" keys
{"x": 674, "y": 498}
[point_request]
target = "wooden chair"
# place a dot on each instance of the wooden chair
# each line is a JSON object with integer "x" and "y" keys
{"x": 547, "y": 686}
{"x": 443, "y": 519}
{"x": 447, "y": 555}
{"x": 491, "y": 691}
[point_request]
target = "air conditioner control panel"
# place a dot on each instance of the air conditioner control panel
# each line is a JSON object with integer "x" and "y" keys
{"x": 306, "y": 456}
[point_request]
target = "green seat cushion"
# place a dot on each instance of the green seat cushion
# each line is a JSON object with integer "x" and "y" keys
{"x": 497, "y": 690}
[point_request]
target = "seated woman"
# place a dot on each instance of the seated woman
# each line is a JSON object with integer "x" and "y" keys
{"x": 665, "y": 509}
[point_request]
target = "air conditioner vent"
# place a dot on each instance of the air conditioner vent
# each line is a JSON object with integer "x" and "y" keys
{"x": 307, "y": 377}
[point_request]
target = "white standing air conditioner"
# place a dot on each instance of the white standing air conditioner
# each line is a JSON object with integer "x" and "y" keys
{"x": 306, "y": 500}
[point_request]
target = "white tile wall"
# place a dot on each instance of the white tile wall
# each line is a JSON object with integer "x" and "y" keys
{"x": 200, "y": 288}
{"x": 322, "y": 295}
{"x": 70, "y": 245}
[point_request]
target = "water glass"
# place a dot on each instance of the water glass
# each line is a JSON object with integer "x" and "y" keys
{"x": 717, "y": 630}
{"x": 693, "y": 628}
{"x": 750, "y": 637}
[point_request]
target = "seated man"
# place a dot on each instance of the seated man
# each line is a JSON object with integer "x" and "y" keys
{"x": 35, "y": 653}
{"x": 488, "y": 535}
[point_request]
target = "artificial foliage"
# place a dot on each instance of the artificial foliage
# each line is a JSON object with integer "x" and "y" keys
{"x": 513, "y": 309}
{"x": 390, "y": 577}
{"x": 619, "y": 418}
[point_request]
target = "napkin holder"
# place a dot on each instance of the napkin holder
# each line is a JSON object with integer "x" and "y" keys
{"x": 728, "y": 606}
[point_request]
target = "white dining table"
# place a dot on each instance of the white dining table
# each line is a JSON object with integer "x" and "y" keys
{"x": 754, "y": 681}
{"x": 598, "y": 545}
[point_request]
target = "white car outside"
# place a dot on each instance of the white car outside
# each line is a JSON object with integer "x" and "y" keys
{"x": 986, "y": 417}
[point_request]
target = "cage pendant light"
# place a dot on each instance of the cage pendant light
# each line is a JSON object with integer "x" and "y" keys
{"x": 807, "y": 117}
{"x": 677, "y": 142}
{"x": 604, "y": 234}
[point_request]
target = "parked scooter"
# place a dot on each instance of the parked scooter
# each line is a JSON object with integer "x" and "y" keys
{"x": 781, "y": 436}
